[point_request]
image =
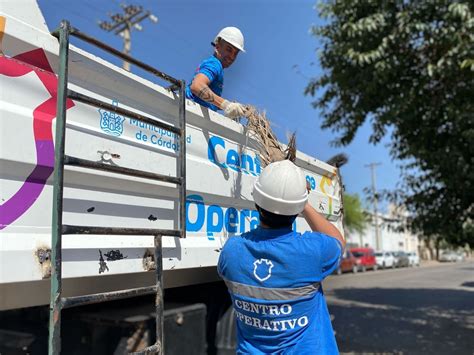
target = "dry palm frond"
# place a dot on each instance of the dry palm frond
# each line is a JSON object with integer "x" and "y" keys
{"x": 270, "y": 149}
{"x": 290, "y": 150}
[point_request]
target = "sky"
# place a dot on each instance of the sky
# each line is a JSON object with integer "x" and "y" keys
{"x": 280, "y": 59}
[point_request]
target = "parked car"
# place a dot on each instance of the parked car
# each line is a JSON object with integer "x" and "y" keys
{"x": 395, "y": 258}
{"x": 365, "y": 258}
{"x": 348, "y": 263}
{"x": 413, "y": 259}
{"x": 449, "y": 256}
{"x": 402, "y": 259}
{"x": 384, "y": 259}
{"x": 460, "y": 256}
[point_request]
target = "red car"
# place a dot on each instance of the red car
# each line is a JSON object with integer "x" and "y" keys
{"x": 365, "y": 258}
{"x": 348, "y": 263}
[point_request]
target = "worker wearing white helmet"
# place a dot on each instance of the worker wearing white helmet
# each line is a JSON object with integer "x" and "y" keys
{"x": 274, "y": 273}
{"x": 207, "y": 84}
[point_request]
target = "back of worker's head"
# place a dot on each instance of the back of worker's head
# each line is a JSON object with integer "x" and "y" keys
{"x": 231, "y": 35}
{"x": 280, "y": 193}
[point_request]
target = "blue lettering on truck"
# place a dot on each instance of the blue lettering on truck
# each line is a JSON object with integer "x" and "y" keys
{"x": 242, "y": 162}
{"x": 311, "y": 181}
{"x": 213, "y": 219}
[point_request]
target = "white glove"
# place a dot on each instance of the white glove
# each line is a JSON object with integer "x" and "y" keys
{"x": 233, "y": 109}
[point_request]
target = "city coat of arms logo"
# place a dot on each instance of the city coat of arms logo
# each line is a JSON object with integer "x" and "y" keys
{"x": 110, "y": 122}
{"x": 262, "y": 269}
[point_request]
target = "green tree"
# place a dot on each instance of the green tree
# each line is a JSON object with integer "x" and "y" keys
{"x": 408, "y": 68}
{"x": 355, "y": 220}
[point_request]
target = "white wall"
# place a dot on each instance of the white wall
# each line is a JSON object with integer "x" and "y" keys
{"x": 390, "y": 238}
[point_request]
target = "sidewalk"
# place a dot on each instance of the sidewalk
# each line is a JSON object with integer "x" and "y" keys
{"x": 429, "y": 263}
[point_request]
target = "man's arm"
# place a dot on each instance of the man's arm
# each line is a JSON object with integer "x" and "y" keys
{"x": 200, "y": 88}
{"x": 319, "y": 224}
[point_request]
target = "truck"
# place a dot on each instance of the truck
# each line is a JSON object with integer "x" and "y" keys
{"x": 221, "y": 164}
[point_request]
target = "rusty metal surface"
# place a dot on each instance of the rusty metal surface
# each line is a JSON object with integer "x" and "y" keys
{"x": 149, "y": 260}
{"x": 83, "y": 163}
{"x": 68, "y": 229}
{"x": 154, "y": 349}
{"x": 54, "y": 338}
{"x": 43, "y": 255}
{"x": 75, "y": 32}
{"x": 57, "y": 302}
{"x": 76, "y": 301}
{"x": 119, "y": 110}
{"x": 182, "y": 160}
{"x": 159, "y": 302}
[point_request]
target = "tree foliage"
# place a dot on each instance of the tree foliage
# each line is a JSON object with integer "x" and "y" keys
{"x": 355, "y": 220}
{"x": 408, "y": 68}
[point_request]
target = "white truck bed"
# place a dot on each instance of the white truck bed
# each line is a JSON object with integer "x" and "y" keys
{"x": 218, "y": 192}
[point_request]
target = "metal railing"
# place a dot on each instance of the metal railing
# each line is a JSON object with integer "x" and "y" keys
{"x": 58, "y": 229}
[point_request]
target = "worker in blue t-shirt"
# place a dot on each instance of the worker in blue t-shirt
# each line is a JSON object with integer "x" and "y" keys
{"x": 274, "y": 274}
{"x": 206, "y": 86}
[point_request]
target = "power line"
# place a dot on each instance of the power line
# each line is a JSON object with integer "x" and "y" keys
{"x": 375, "y": 201}
{"x": 122, "y": 25}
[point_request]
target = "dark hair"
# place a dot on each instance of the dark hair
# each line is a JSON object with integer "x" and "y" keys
{"x": 274, "y": 220}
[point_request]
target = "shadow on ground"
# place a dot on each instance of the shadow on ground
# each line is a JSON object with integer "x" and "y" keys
{"x": 408, "y": 321}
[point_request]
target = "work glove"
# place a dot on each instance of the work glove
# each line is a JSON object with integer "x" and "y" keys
{"x": 233, "y": 109}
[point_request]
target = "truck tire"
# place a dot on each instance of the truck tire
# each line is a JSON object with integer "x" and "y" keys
{"x": 226, "y": 333}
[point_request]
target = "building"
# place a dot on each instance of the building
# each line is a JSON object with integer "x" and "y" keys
{"x": 393, "y": 234}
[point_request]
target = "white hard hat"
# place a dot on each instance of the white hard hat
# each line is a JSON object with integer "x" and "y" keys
{"x": 281, "y": 189}
{"x": 233, "y": 36}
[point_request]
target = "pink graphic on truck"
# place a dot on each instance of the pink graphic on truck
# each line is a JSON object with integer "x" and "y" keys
{"x": 43, "y": 115}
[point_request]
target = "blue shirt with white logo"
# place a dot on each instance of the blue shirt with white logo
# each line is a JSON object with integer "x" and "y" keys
{"x": 212, "y": 68}
{"x": 274, "y": 276}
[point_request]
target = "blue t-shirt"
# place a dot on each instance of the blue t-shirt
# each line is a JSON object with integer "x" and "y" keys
{"x": 274, "y": 276}
{"x": 212, "y": 68}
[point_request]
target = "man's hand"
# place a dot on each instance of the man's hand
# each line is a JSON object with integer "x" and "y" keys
{"x": 233, "y": 109}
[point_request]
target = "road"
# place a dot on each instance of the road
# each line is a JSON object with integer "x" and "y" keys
{"x": 425, "y": 310}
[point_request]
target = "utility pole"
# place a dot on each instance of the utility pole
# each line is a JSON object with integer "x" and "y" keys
{"x": 375, "y": 201}
{"x": 122, "y": 25}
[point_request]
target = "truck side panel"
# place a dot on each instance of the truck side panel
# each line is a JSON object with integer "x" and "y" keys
{"x": 222, "y": 164}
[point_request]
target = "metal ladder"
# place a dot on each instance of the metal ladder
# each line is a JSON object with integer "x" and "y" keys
{"x": 58, "y": 228}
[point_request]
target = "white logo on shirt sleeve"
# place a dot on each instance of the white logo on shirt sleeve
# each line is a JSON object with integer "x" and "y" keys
{"x": 262, "y": 269}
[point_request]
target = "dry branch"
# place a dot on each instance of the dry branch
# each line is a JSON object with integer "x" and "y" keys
{"x": 270, "y": 149}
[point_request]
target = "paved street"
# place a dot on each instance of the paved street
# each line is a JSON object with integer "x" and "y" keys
{"x": 425, "y": 310}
